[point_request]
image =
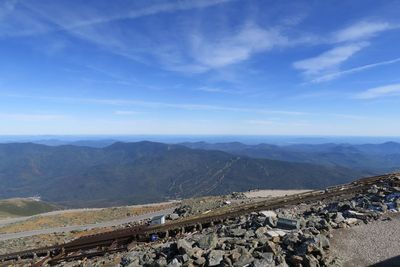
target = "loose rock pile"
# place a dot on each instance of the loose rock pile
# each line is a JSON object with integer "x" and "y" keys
{"x": 299, "y": 236}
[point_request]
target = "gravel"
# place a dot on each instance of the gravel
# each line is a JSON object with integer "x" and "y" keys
{"x": 368, "y": 244}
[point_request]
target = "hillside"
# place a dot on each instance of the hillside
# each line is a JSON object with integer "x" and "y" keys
{"x": 368, "y": 158}
{"x": 146, "y": 172}
{"x": 17, "y": 207}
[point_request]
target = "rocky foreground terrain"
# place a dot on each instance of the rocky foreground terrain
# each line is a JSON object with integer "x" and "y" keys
{"x": 327, "y": 233}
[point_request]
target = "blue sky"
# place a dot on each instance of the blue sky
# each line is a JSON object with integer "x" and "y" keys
{"x": 200, "y": 67}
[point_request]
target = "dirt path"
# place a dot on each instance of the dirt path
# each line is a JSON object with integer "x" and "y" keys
{"x": 4, "y": 222}
{"x": 84, "y": 227}
{"x": 368, "y": 244}
{"x": 272, "y": 193}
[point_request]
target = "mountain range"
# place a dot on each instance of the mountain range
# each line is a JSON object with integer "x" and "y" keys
{"x": 126, "y": 173}
{"x": 367, "y": 158}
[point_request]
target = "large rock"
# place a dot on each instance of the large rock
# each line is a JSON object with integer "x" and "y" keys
{"x": 215, "y": 257}
{"x": 209, "y": 241}
{"x": 271, "y": 218}
{"x": 244, "y": 259}
{"x": 238, "y": 232}
{"x": 184, "y": 247}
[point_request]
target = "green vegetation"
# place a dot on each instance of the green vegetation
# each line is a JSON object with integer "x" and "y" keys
{"x": 16, "y": 207}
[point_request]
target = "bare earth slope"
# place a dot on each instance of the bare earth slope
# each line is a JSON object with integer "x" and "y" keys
{"x": 376, "y": 242}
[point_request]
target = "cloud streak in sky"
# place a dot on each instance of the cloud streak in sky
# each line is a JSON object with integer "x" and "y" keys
{"x": 338, "y": 74}
{"x": 361, "y": 30}
{"x": 380, "y": 92}
{"x": 251, "y": 39}
{"x": 161, "y": 105}
{"x": 348, "y": 41}
{"x": 328, "y": 60}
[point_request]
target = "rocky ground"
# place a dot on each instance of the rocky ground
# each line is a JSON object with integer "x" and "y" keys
{"x": 299, "y": 236}
{"x": 311, "y": 235}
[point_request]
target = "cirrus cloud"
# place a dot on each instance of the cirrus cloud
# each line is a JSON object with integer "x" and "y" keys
{"x": 379, "y": 92}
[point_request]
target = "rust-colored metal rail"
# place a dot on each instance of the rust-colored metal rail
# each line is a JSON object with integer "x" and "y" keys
{"x": 118, "y": 240}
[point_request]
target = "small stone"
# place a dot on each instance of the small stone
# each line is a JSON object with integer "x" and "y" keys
{"x": 200, "y": 261}
{"x": 268, "y": 213}
{"x": 296, "y": 260}
{"x": 351, "y": 221}
{"x": 173, "y": 216}
{"x": 270, "y": 247}
{"x": 268, "y": 256}
{"x": 249, "y": 234}
{"x": 338, "y": 218}
{"x": 323, "y": 241}
{"x": 174, "y": 263}
{"x": 162, "y": 261}
{"x": 244, "y": 259}
{"x": 263, "y": 263}
{"x": 260, "y": 232}
{"x": 310, "y": 261}
{"x": 238, "y": 232}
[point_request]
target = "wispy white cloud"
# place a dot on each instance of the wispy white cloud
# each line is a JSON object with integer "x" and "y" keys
{"x": 97, "y": 26}
{"x": 161, "y": 105}
{"x": 135, "y": 12}
{"x": 334, "y": 75}
{"x": 17, "y": 21}
{"x": 379, "y": 92}
{"x": 229, "y": 50}
{"x": 361, "y": 30}
{"x": 20, "y": 17}
{"x": 328, "y": 60}
{"x": 347, "y": 41}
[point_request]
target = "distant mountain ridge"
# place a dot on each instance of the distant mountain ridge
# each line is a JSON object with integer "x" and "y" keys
{"x": 145, "y": 172}
{"x": 370, "y": 158}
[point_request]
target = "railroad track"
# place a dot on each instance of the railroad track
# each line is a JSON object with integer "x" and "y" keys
{"x": 119, "y": 240}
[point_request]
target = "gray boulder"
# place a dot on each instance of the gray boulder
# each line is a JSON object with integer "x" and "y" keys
{"x": 209, "y": 241}
{"x": 184, "y": 247}
{"x": 215, "y": 257}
